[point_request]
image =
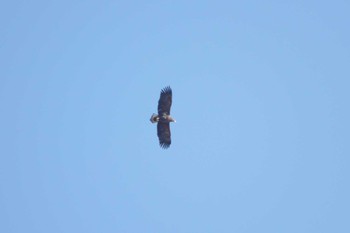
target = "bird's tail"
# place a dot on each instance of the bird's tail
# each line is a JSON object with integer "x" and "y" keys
{"x": 154, "y": 118}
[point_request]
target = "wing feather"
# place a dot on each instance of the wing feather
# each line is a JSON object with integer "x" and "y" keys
{"x": 164, "y": 135}
{"x": 165, "y": 100}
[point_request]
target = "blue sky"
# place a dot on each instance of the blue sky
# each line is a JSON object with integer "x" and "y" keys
{"x": 260, "y": 95}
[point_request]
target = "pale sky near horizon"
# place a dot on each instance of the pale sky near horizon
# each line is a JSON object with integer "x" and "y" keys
{"x": 260, "y": 96}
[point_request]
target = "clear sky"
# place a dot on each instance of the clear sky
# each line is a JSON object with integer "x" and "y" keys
{"x": 260, "y": 95}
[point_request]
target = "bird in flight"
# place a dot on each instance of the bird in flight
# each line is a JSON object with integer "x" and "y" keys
{"x": 163, "y": 118}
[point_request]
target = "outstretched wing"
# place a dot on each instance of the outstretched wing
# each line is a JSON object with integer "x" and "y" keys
{"x": 165, "y": 100}
{"x": 164, "y": 135}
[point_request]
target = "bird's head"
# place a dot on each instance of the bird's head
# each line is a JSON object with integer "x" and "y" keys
{"x": 170, "y": 119}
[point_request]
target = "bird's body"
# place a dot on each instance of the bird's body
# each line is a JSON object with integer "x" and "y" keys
{"x": 163, "y": 118}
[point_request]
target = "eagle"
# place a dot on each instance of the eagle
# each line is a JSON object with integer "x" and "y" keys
{"x": 163, "y": 118}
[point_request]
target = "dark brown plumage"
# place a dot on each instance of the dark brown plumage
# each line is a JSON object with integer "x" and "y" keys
{"x": 163, "y": 118}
